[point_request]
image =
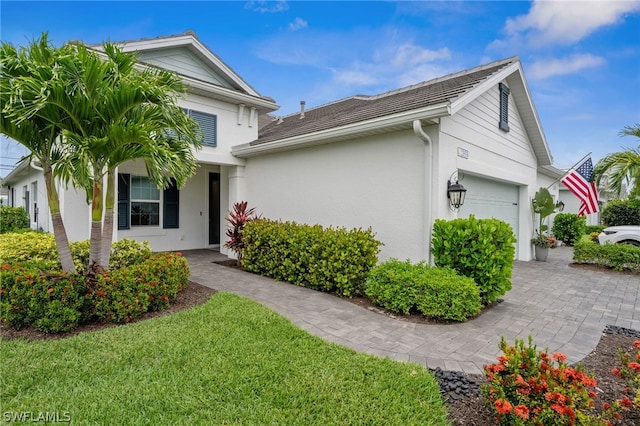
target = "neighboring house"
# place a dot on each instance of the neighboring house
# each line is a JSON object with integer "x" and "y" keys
{"x": 367, "y": 161}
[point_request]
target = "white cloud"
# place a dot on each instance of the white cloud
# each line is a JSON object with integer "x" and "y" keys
{"x": 393, "y": 66}
{"x": 298, "y": 24}
{"x": 263, "y": 6}
{"x": 563, "y": 66}
{"x": 566, "y": 22}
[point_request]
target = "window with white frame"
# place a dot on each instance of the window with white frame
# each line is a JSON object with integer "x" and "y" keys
{"x": 145, "y": 202}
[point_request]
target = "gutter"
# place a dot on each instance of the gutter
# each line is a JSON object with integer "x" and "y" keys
{"x": 428, "y": 214}
{"x": 343, "y": 132}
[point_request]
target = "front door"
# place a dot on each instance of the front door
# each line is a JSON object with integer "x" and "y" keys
{"x": 214, "y": 208}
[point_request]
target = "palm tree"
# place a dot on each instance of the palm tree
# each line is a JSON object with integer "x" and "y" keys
{"x": 34, "y": 66}
{"x": 620, "y": 167}
{"x": 109, "y": 112}
{"x": 119, "y": 114}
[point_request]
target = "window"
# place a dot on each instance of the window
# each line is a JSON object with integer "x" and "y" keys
{"x": 145, "y": 202}
{"x": 34, "y": 191}
{"x": 504, "y": 107}
{"x": 209, "y": 125}
{"x": 139, "y": 203}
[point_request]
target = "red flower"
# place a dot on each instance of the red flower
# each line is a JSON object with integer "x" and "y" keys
{"x": 559, "y": 356}
{"x": 503, "y": 406}
{"x": 625, "y": 401}
{"x": 634, "y": 366}
{"x": 616, "y": 372}
{"x": 606, "y": 406}
{"x": 50, "y": 291}
{"x": 521, "y": 411}
{"x": 637, "y": 344}
{"x": 558, "y": 408}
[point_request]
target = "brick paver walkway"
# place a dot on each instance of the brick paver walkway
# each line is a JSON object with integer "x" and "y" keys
{"x": 563, "y": 308}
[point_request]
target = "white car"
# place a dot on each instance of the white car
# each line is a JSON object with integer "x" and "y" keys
{"x": 628, "y": 234}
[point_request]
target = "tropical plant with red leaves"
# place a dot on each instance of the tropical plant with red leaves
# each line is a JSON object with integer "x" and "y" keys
{"x": 238, "y": 218}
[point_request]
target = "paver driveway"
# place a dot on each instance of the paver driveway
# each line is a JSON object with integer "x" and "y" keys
{"x": 563, "y": 308}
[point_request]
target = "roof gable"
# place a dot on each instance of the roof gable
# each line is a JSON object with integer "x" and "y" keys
{"x": 185, "y": 54}
{"x": 185, "y": 62}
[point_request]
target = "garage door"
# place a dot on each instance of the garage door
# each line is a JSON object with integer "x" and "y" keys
{"x": 490, "y": 199}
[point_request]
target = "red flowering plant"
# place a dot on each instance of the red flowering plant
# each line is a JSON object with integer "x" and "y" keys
{"x": 530, "y": 387}
{"x": 630, "y": 370}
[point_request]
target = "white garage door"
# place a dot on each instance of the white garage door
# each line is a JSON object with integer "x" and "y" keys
{"x": 490, "y": 199}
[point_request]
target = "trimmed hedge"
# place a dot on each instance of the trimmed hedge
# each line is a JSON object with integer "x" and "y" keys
{"x": 328, "y": 259}
{"x": 49, "y": 303}
{"x": 13, "y": 219}
{"x": 435, "y": 292}
{"x": 60, "y": 302}
{"x": 621, "y": 212}
{"x": 569, "y": 227}
{"x": 124, "y": 294}
{"x": 40, "y": 248}
{"x": 481, "y": 249}
{"x": 615, "y": 256}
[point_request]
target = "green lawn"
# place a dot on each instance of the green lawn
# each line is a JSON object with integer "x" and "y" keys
{"x": 230, "y": 361}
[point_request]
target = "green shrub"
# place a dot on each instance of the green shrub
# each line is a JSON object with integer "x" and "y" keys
{"x": 569, "y": 227}
{"x": 328, "y": 259}
{"x": 590, "y": 229}
{"x": 49, "y": 302}
{"x": 594, "y": 236}
{"x": 60, "y": 302}
{"x": 124, "y": 294}
{"x": 127, "y": 252}
{"x": 30, "y": 247}
{"x": 448, "y": 295}
{"x": 395, "y": 285}
{"x": 481, "y": 249}
{"x": 13, "y": 219}
{"x": 615, "y": 256}
{"x": 434, "y": 292}
{"x": 621, "y": 212}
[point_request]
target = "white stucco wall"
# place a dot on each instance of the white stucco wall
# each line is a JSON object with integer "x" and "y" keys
{"x": 376, "y": 182}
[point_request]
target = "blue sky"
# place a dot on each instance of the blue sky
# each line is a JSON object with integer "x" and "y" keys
{"x": 581, "y": 58}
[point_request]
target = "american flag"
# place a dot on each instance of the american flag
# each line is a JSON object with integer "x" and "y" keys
{"x": 579, "y": 182}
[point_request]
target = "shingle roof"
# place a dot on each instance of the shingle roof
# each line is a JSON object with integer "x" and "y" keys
{"x": 361, "y": 107}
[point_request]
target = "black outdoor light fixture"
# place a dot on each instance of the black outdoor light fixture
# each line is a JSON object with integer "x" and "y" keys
{"x": 455, "y": 194}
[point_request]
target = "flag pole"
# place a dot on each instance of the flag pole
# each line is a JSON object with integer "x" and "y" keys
{"x": 570, "y": 168}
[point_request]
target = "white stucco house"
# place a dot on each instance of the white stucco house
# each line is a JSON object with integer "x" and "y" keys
{"x": 379, "y": 161}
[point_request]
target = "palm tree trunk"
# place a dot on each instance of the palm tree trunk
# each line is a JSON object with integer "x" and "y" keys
{"x": 59, "y": 231}
{"x": 107, "y": 230}
{"x": 95, "y": 241}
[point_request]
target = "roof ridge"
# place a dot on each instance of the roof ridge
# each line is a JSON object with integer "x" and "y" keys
{"x": 162, "y": 37}
{"x": 447, "y": 77}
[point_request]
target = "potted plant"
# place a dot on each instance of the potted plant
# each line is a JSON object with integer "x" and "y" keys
{"x": 544, "y": 206}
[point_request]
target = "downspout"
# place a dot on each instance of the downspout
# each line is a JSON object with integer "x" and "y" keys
{"x": 428, "y": 209}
